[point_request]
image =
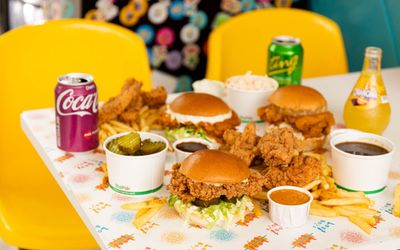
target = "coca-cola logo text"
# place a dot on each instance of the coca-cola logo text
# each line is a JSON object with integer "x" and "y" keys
{"x": 68, "y": 104}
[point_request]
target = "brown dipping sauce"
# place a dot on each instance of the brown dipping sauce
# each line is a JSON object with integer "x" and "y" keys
{"x": 191, "y": 146}
{"x": 289, "y": 197}
{"x": 361, "y": 148}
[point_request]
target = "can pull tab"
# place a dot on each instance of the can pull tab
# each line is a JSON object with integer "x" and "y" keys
{"x": 73, "y": 80}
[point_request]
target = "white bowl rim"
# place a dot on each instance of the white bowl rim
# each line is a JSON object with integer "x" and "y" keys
{"x": 305, "y": 191}
{"x": 362, "y": 135}
{"x": 191, "y": 139}
{"x": 135, "y": 156}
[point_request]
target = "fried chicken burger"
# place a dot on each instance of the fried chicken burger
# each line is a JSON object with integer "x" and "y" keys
{"x": 203, "y": 111}
{"x": 212, "y": 188}
{"x": 304, "y": 110}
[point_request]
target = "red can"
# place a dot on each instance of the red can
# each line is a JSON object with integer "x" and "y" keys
{"x": 76, "y": 113}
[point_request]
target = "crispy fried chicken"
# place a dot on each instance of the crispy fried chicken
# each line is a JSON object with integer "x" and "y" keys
{"x": 127, "y": 105}
{"x": 310, "y": 125}
{"x": 243, "y": 145}
{"x": 301, "y": 170}
{"x": 116, "y": 105}
{"x": 189, "y": 190}
{"x": 277, "y": 147}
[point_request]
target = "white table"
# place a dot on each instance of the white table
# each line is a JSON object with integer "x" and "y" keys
{"x": 111, "y": 226}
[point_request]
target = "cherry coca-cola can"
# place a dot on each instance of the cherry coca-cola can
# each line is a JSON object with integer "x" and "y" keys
{"x": 76, "y": 113}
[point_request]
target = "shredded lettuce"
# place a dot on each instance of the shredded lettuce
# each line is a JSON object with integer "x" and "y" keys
{"x": 223, "y": 212}
{"x": 185, "y": 132}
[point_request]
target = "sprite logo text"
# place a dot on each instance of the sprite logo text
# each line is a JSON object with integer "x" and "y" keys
{"x": 277, "y": 65}
{"x": 68, "y": 104}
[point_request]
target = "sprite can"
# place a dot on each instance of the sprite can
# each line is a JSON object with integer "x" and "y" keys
{"x": 285, "y": 60}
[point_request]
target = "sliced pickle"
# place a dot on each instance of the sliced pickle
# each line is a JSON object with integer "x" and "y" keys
{"x": 201, "y": 203}
{"x": 114, "y": 147}
{"x": 231, "y": 200}
{"x": 129, "y": 143}
{"x": 148, "y": 147}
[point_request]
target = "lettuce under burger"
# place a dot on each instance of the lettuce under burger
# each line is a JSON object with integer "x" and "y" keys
{"x": 211, "y": 188}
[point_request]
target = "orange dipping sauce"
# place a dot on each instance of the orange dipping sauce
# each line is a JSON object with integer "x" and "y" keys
{"x": 289, "y": 197}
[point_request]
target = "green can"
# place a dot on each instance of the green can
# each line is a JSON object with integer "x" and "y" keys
{"x": 285, "y": 60}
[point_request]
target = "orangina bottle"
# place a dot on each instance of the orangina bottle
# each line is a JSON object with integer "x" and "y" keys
{"x": 367, "y": 108}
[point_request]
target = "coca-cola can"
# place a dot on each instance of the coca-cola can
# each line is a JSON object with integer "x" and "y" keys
{"x": 76, "y": 113}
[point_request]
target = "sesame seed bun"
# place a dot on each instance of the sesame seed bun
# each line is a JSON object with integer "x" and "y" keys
{"x": 214, "y": 167}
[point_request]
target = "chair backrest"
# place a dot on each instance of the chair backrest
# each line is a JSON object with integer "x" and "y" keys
{"x": 32, "y": 58}
{"x": 241, "y": 43}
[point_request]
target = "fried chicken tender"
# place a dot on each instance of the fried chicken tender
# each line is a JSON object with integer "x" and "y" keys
{"x": 155, "y": 98}
{"x": 116, "y": 105}
{"x": 277, "y": 147}
{"x": 301, "y": 170}
{"x": 309, "y": 125}
{"x": 127, "y": 105}
{"x": 243, "y": 144}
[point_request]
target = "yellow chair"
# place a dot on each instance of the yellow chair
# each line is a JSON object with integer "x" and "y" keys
{"x": 34, "y": 212}
{"x": 241, "y": 44}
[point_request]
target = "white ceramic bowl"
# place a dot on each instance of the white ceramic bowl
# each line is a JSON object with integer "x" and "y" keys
{"x": 211, "y": 87}
{"x": 136, "y": 175}
{"x": 246, "y": 102}
{"x": 368, "y": 174}
{"x": 181, "y": 155}
{"x": 289, "y": 216}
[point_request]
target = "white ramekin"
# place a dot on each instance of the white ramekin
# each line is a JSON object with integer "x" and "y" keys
{"x": 246, "y": 102}
{"x": 368, "y": 174}
{"x": 136, "y": 175}
{"x": 181, "y": 155}
{"x": 212, "y": 87}
{"x": 289, "y": 216}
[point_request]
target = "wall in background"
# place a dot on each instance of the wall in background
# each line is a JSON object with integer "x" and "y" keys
{"x": 365, "y": 23}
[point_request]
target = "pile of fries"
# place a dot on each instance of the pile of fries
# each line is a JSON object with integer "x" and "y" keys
{"x": 329, "y": 201}
{"x": 147, "y": 122}
{"x": 145, "y": 210}
{"x": 396, "y": 205}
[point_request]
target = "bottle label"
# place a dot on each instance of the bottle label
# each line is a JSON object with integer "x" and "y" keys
{"x": 367, "y": 98}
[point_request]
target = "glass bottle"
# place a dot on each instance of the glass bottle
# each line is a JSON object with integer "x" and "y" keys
{"x": 367, "y": 107}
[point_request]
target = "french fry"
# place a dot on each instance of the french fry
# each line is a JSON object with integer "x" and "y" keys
{"x": 107, "y": 127}
{"x": 120, "y": 125}
{"x": 135, "y": 126}
{"x": 144, "y": 204}
{"x": 331, "y": 182}
{"x": 358, "y": 221}
{"x": 141, "y": 212}
{"x": 326, "y": 169}
{"x": 257, "y": 209}
{"x": 312, "y": 184}
{"x": 361, "y": 210}
{"x": 143, "y": 109}
{"x": 396, "y": 205}
{"x": 324, "y": 184}
{"x": 316, "y": 194}
{"x": 344, "y": 201}
{"x": 344, "y": 194}
{"x": 327, "y": 194}
{"x": 261, "y": 196}
{"x": 370, "y": 219}
{"x": 319, "y": 210}
{"x": 140, "y": 221}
